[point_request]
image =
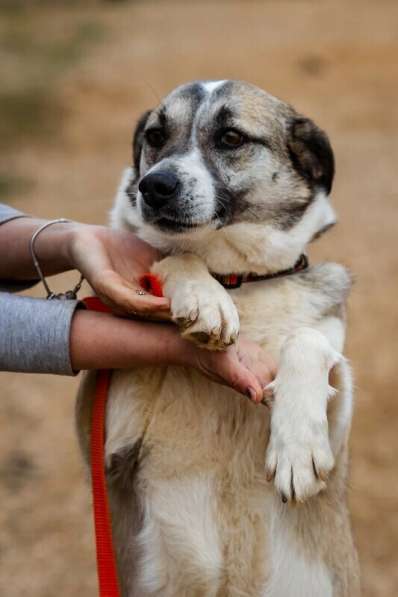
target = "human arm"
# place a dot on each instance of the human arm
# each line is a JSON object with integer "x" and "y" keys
{"x": 112, "y": 261}
{"x": 34, "y": 334}
{"x": 40, "y": 336}
{"x": 100, "y": 340}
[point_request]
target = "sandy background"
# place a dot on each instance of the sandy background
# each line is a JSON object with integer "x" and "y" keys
{"x": 73, "y": 79}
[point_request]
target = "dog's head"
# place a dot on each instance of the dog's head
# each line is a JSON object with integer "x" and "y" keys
{"x": 227, "y": 160}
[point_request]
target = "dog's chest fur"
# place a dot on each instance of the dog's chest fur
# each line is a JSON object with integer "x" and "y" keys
{"x": 268, "y": 311}
{"x": 199, "y": 474}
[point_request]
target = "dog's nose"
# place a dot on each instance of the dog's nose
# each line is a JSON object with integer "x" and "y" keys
{"x": 158, "y": 188}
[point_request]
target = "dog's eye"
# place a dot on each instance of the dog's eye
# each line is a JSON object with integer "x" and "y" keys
{"x": 155, "y": 138}
{"x": 231, "y": 139}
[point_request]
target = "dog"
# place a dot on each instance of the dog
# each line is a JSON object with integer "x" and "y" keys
{"x": 212, "y": 495}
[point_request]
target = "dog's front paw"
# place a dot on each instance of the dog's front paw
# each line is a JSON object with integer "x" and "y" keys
{"x": 205, "y": 314}
{"x": 299, "y": 458}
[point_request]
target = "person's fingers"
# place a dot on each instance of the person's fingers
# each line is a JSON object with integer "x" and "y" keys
{"x": 149, "y": 315}
{"x": 124, "y": 302}
{"x": 129, "y": 298}
{"x": 264, "y": 371}
{"x": 248, "y": 376}
{"x": 245, "y": 382}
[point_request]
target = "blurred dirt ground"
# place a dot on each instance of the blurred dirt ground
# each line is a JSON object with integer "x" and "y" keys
{"x": 73, "y": 80}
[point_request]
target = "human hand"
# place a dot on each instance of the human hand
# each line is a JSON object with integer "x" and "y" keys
{"x": 245, "y": 367}
{"x": 112, "y": 261}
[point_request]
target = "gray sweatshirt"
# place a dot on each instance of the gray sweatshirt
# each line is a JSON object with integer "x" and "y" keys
{"x": 34, "y": 333}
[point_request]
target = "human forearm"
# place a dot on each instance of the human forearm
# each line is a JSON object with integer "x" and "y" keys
{"x": 39, "y": 336}
{"x": 52, "y": 247}
{"x": 112, "y": 261}
{"x": 100, "y": 340}
{"x": 103, "y": 341}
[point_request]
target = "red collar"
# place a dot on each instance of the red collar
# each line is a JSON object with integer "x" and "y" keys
{"x": 231, "y": 281}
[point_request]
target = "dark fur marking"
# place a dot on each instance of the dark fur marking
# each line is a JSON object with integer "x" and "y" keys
{"x": 228, "y": 203}
{"x": 131, "y": 191}
{"x": 195, "y": 93}
{"x": 124, "y": 466}
{"x": 289, "y": 214}
{"x": 138, "y": 139}
{"x": 223, "y": 90}
{"x": 162, "y": 116}
{"x": 311, "y": 153}
{"x": 224, "y": 117}
{"x": 322, "y": 231}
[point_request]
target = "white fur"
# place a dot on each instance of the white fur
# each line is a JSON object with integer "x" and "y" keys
{"x": 211, "y": 86}
{"x": 299, "y": 428}
{"x": 192, "y": 166}
{"x": 121, "y": 215}
{"x": 188, "y": 551}
{"x": 293, "y": 573}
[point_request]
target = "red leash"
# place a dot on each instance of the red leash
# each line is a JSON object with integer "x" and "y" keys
{"x": 106, "y": 561}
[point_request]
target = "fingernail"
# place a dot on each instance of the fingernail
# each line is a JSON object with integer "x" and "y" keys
{"x": 251, "y": 394}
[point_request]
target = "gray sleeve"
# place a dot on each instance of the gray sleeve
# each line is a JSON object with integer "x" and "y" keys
{"x": 34, "y": 334}
{"x": 7, "y": 214}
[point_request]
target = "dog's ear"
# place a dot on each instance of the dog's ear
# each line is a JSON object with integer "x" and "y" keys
{"x": 138, "y": 139}
{"x": 311, "y": 152}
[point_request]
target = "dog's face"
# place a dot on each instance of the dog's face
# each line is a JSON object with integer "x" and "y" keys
{"x": 217, "y": 155}
{"x": 228, "y": 172}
